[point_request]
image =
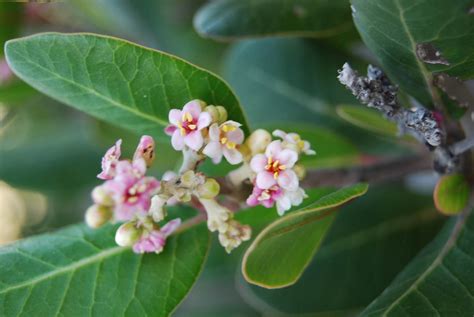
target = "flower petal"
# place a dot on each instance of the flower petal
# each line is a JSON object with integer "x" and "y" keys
{"x": 273, "y": 149}
{"x": 175, "y": 116}
{"x": 177, "y": 141}
{"x": 288, "y": 180}
{"x": 233, "y": 156}
{"x": 265, "y": 180}
{"x": 258, "y": 163}
{"x": 214, "y": 151}
{"x": 283, "y": 204}
{"x": 171, "y": 226}
{"x": 193, "y": 107}
{"x": 214, "y": 132}
{"x": 236, "y": 136}
{"x": 194, "y": 140}
{"x": 204, "y": 120}
{"x": 287, "y": 157}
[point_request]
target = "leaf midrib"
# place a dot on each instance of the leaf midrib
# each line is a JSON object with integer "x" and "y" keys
{"x": 98, "y": 257}
{"x": 423, "y": 70}
{"x": 449, "y": 244}
{"x": 87, "y": 89}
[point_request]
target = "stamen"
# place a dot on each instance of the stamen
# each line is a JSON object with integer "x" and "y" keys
{"x": 223, "y": 140}
{"x": 230, "y": 145}
{"x": 275, "y": 164}
{"x": 192, "y": 126}
{"x": 275, "y": 175}
{"x": 282, "y": 167}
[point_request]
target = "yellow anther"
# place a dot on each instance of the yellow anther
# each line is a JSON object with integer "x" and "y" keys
{"x": 183, "y": 131}
{"x": 192, "y": 126}
{"x": 276, "y": 163}
{"x": 223, "y": 140}
{"x": 228, "y": 128}
{"x": 270, "y": 160}
{"x": 282, "y": 167}
{"x": 133, "y": 199}
{"x": 230, "y": 145}
{"x": 187, "y": 117}
{"x": 275, "y": 175}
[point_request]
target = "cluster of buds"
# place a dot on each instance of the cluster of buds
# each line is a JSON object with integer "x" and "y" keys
{"x": 200, "y": 131}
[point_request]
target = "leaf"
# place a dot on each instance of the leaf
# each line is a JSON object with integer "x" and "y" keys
{"x": 156, "y": 23}
{"x": 353, "y": 266}
{"x": 116, "y": 81}
{"x": 332, "y": 149}
{"x": 393, "y": 30}
{"x": 280, "y": 253}
{"x": 439, "y": 281}
{"x": 234, "y": 19}
{"x": 368, "y": 119}
{"x": 451, "y": 194}
{"x": 81, "y": 272}
{"x": 10, "y": 18}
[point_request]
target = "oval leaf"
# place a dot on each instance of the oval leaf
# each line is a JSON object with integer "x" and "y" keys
{"x": 82, "y": 272}
{"x": 341, "y": 277}
{"x": 281, "y": 252}
{"x": 451, "y": 194}
{"x": 395, "y": 29}
{"x": 439, "y": 281}
{"x": 115, "y": 80}
{"x": 233, "y": 19}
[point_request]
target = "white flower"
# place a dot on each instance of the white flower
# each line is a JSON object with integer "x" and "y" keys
{"x": 294, "y": 142}
{"x": 224, "y": 140}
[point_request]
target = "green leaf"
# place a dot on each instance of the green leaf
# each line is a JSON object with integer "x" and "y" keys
{"x": 82, "y": 272}
{"x": 353, "y": 266}
{"x": 392, "y": 29}
{"x": 451, "y": 194}
{"x": 10, "y": 18}
{"x": 332, "y": 149}
{"x": 368, "y": 119}
{"x": 439, "y": 281}
{"x": 234, "y": 19}
{"x": 306, "y": 92}
{"x": 280, "y": 253}
{"x": 114, "y": 80}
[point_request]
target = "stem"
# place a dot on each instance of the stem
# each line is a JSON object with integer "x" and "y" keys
{"x": 190, "y": 160}
{"x": 462, "y": 146}
{"x": 376, "y": 173}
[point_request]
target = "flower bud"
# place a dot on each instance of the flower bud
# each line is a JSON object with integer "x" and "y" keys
{"x": 145, "y": 150}
{"x": 218, "y": 113}
{"x": 189, "y": 179}
{"x": 97, "y": 215}
{"x": 209, "y": 189}
{"x": 300, "y": 171}
{"x": 127, "y": 234}
{"x": 223, "y": 115}
{"x": 157, "y": 210}
{"x": 258, "y": 141}
{"x": 102, "y": 196}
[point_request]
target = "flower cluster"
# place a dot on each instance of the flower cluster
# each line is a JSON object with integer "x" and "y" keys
{"x": 275, "y": 172}
{"x": 200, "y": 131}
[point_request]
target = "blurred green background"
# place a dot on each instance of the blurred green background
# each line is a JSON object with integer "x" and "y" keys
{"x": 50, "y": 153}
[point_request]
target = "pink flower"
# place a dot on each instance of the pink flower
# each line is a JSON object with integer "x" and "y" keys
{"x": 223, "y": 141}
{"x": 284, "y": 199}
{"x": 275, "y": 167}
{"x": 145, "y": 150}
{"x": 131, "y": 189}
{"x": 186, "y": 126}
{"x": 265, "y": 197}
{"x": 155, "y": 240}
{"x": 109, "y": 161}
